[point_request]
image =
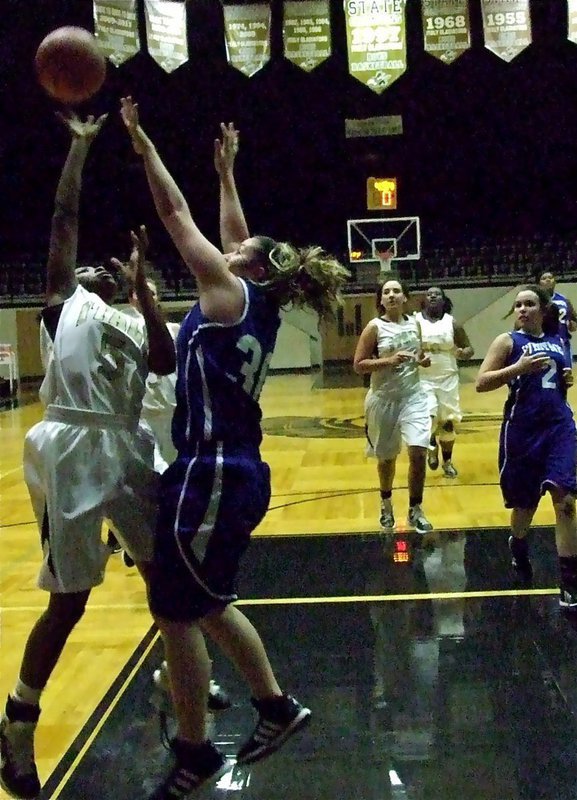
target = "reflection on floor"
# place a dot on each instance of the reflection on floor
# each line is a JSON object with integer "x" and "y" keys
{"x": 430, "y": 675}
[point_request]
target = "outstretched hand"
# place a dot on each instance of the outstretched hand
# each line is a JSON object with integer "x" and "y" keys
{"x": 225, "y": 149}
{"x": 79, "y": 130}
{"x": 129, "y": 114}
{"x": 134, "y": 270}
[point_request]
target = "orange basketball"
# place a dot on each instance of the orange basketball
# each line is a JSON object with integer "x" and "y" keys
{"x": 69, "y": 64}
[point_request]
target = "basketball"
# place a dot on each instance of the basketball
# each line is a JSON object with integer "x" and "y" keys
{"x": 69, "y": 65}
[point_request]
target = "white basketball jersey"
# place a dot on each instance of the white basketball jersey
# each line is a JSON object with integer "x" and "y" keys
{"x": 439, "y": 343}
{"x": 402, "y": 380}
{"x": 160, "y": 394}
{"x": 98, "y": 359}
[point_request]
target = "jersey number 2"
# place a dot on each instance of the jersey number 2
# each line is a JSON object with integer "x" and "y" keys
{"x": 548, "y": 379}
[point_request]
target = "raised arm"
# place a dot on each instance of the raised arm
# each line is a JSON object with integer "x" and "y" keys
{"x": 233, "y": 227}
{"x": 161, "y": 351}
{"x": 60, "y": 276}
{"x": 204, "y": 260}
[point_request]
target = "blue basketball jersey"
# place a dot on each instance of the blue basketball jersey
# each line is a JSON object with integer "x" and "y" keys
{"x": 538, "y": 397}
{"x": 563, "y": 306}
{"x": 221, "y": 369}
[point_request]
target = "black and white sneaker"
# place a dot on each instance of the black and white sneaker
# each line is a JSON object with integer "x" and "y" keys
{"x": 195, "y": 766}
{"x": 279, "y": 718}
{"x": 417, "y": 520}
{"x": 433, "y": 456}
{"x": 18, "y": 773}
{"x": 568, "y": 597}
{"x": 387, "y": 518}
{"x": 520, "y": 560}
{"x": 218, "y": 699}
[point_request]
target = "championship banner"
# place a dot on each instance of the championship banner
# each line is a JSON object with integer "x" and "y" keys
{"x": 247, "y": 37}
{"x": 446, "y": 28}
{"x": 166, "y": 33}
{"x": 376, "y": 41}
{"x": 572, "y": 20}
{"x": 506, "y": 26}
{"x": 307, "y": 32}
{"x": 116, "y": 28}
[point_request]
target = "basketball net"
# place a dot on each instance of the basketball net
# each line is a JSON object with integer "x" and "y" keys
{"x": 385, "y": 261}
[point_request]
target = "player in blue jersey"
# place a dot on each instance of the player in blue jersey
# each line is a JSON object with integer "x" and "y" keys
{"x": 567, "y": 316}
{"x": 538, "y": 441}
{"x": 218, "y": 489}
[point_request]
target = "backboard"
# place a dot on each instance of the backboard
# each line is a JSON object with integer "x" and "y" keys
{"x": 367, "y": 238}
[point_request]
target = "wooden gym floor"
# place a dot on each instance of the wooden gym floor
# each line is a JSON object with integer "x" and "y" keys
{"x": 353, "y": 623}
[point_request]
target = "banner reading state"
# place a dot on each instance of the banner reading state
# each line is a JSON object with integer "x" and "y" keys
{"x": 446, "y": 28}
{"x": 506, "y": 26}
{"x": 307, "y": 32}
{"x": 376, "y": 41}
{"x": 247, "y": 33}
{"x": 166, "y": 33}
{"x": 572, "y": 20}
{"x": 116, "y": 28}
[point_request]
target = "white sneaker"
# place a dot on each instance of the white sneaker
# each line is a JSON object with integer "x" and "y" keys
{"x": 218, "y": 699}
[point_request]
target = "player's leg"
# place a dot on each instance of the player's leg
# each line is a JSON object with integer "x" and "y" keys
{"x": 449, "y": 416}
{"x": 561, "y": 482}
{"x": 384, "y": 443}
{"x": 415, "y": 427}
{"x": 520, "y": 478}
{"x": 46, "y": 641}
{"x": 430, "y": 389}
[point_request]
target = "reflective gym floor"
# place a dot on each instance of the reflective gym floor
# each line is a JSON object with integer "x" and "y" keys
{"x": 431, "y": 674}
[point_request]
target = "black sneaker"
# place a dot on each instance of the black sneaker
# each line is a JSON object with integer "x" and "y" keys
{"x": 18, "y": 773}
{"x": 279, "y": 718}
{"x": 520, "y": 560}
{"x": 195, "y": 766}
{"x": 568, "y": 597}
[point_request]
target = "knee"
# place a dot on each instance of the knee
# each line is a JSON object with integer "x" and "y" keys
{"x": 565, "y": 507}
{"x": 64, "y": 612}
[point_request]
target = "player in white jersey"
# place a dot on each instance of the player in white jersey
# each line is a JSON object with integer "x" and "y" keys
{"x": 396, "y": 409}
{"x": 88, "y": 459}
{"x": 445, "y": 342}
{"x": 157, "y": 404}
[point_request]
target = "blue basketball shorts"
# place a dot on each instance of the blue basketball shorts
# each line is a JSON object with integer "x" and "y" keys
{"x": 533, "y": 458}
{"x": 209, "y": 505}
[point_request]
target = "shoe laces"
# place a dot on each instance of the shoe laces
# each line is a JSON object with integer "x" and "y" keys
{"x": 19, "y": 740}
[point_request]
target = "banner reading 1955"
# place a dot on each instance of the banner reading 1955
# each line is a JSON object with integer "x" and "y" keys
{"x": 507, "y": 27}
{"x": 376, "y": 41}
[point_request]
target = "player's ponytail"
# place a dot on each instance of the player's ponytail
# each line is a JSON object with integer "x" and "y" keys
{"x": 305, "y": 276}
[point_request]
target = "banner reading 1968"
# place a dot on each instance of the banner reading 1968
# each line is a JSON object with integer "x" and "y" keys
{"x": 446, "y": 28}
{"x": 376, "y": 41}
{"x": 116, "y": 28}
{"x": 507, "y": 27}
{"x": 307, "y": 32}
{"x": 572, "y": 20}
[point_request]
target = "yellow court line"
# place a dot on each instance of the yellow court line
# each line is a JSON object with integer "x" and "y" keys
{"x": 293, "y": 601}
{"x": 78, "y": 758}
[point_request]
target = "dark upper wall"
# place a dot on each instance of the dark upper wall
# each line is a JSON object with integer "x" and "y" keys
{"x": 489, "y": 148}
